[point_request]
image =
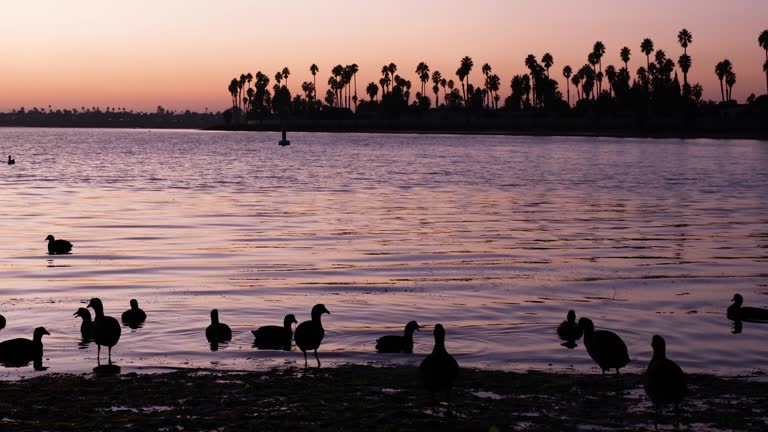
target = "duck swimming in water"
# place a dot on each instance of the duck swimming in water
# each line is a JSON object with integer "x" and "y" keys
{"x": 569, "y": 331}
{"x": 2, "y": 322}
{"x": 217, "y": 332}
{"x": 275, "y": 337}
{"x": 20, "y": 351}
{"x": 134, "y": 316}
{"x": 309, "y": 334}
{"x": 86, "y": 327}
{"x": 11, "y": 161}
{"x": 58, "y": 246}
{"x": 439, "y": 369}
{"x": 105, "y": 330}
{"x": 396, "y": 343}
{"x": 605, "y": 347}
{"x": 737, "y": 312}
{"x": 666, "y": 383}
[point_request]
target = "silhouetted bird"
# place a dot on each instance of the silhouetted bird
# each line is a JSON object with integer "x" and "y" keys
{"x": 105, "y": 330}
{"x": 134, "y": 316}
{"x": 217, "y": 332}
{"x": 439, "y": 369}
{"x": 398, "y": 344}
{"x": 275, "y": 337}
{"x": 666, "y": 382}
{"x": 86, "y": 327}
{"x": 309, "y": 334}
{"x": 19, "y": 352}
{"x": 2, "y": 322}
{"x": 58, "y": 246}
{"x": 605, "y": 347}
{"x": 11, "y": 161}
{"x": 738, "y": 313}
{"x": 569, "y": 331}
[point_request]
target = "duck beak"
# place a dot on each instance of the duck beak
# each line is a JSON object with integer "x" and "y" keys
{"x": 46, "y": 332}
{"x": 75, "y": 314}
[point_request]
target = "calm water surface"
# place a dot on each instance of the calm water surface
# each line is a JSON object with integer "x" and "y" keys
{"x": 495, "y": 237}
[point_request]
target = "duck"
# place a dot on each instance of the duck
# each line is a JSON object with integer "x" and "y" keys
{"x": 134, "y": 316}
{"x": 396, "y": 343}
{"x": 569, "y": 330}
{"x": 11, "y": 161}
{"x": 105, "y": 330}
{"x": 275, "y": 337}
{"x": 605, "y": 347}
{"x": 309, "y": 334}
{"x": 217, "y": 332}
{"x": 58, "y": 246}
{"x": 666, "y": 383}
{"x": 738, "y": 313}
{"x": 86, "y": 327}
{"x": 439, "y": 369}
{"x": 2, "y": 322}
{"x": 20, "y": 351}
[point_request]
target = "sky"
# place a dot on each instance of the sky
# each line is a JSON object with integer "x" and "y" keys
{"x": 181, "y": 54}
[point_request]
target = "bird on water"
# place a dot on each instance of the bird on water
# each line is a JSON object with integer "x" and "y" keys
{"x": 58, "y": 246}
{"x": 737, "y": 312}
{"x": 569, "y": 330}
{"x": 134, "y": 316}
{"x": 86, "y": 327}
{"x": 439, "y": 369}
{"x": 397, "y": 343}
{"x": 2, "y": 322}
{"x": 309, "y": 334}
{"x": 217, "y": 332}
{"x": 605, "y": 347}
{"x": 275, "y": 337}
{"x": 665, "y": 383}
{"x": 105, "y": 330}
{"x": 20, "y": 351}
{"x": 11, "y": 161}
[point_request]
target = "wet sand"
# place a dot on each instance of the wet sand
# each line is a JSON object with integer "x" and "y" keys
{"x": 370, "y": 398}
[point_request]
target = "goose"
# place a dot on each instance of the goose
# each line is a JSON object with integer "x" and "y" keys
{"x": 58, "y": 246}
{"x": 86, "y": 327}
{"x": 605, "y": 347}
{"x": 2, "y": 322}
{"x": 439, "y": 369}
{"x": 217, "y": 332}
{"x": 666, "y": 383}
{"x": 275, "y": 337}
{"x": 134, "y": 316}
{"x": 738, "y": 313}
{"x": 309, "y": 334}
{"x": 569, "y": 331}
{"x": 396, "y": 343}
{"x": 11, "y": 161}
{"x": 105, "y": 330}
{"x": 20, "y": 351}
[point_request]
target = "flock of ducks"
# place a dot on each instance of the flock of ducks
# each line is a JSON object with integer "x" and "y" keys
{"x": 666, "y": 383}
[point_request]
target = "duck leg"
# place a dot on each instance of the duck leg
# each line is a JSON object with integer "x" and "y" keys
{"x": 110, "y": 355}
{"x": 305, "y": 359}
{"x": 98, "y": 355}
{"x": 318, "y": 359}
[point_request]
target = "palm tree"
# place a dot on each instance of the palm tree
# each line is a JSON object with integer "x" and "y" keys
{"x": 466, "y": 65}
{"x": 461, "y": 73}
{"x": 422, "y": 71}
{"x": 392, "y": 68}
{"x": 314, "y": 70}
{"x": 610, "y": 73}
{"x": 763, "y": 41}
{"x": 372, "y": 90}
{"x": 437, "y": 77}
{"x": 625, "y": 54}
{"x": 443, "y": 84}
{"x": 730, "y": 80}
{"x": 286, "y": 73}
{"x": 685, "y": 65}
{"x": 684, "y": 38}
{"x": 547, "y": 61}
{"x": 354, "y": 68}
{"x": 532, "y": 65}
{"x": 567, "y": 71}
{"x": 721, "y": 70}
{"x": 647, "y": 48}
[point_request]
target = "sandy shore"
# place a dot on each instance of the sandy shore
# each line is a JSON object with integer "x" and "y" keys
{"x": 369, "y": 398}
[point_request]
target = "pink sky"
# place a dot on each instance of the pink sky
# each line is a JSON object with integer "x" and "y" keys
{"x": 182, "y": 54}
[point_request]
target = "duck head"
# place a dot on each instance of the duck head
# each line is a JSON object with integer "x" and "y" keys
{"x": 571, "y": 316}
{"x": 97, "y": 306}
{"x": 50, "y": 238}
{"x": 134, "y": 304}
{"x": 289, "y": 319}
{"x": 82, "y": 313}
{"x": 318, "y": 310}
{"x": 659, "y": 346}
{"x": 737, "y": 300}
{"x": 586, "y": 325}
{"x": 39, "y": 332}
{"x": 411, "y": 327}
{"x": 214, "y": 316}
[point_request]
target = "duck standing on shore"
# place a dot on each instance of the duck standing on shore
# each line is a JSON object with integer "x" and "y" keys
{"x": 105, "y": 330}
{"x": 439, "y": 369}
{"x": 309, "y": 334}
{"x": 569, "y": 331}
{"x": 396, "y": 343}
{"x": 275, "y": 337}
{"x": 57, "y": 246}
{"x": 134, "y": 316}
{"x": 20, "y": 351}
{"x": 605, "y": 347}
{"x": 666, "y": 383}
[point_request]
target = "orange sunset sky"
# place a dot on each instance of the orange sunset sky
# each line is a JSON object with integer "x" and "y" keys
{"x": 182, "y": 54}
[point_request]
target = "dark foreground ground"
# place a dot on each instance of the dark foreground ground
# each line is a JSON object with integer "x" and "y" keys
{"x": 368, "y": 398}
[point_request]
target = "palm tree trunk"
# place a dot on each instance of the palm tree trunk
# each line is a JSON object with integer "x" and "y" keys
{"x": 568, "y": 85}
{"x": 722, "y": 91}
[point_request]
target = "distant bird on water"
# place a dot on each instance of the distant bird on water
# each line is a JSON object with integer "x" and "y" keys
{"x": 11, "y": 161}
{"x": 134, "y": 316}
{"x": 86, "y": 327}
{"x": 439, "y": 369}
{"x": 217, "y": 332}
{"x": 20, "y": 351}
{"x": 105, "y": 330}
{"x": 605, "y": 347}
{"x": 666, "y": 383}
{"x": 275, "y": 337}
{"x": 2, "y": 322}
{"x": 309, "y": 334}
{"x": 738, "y": 313}
{"x": 58, "y": 246}
{"x": 396, "y": 343}
{"x": 569, "y": 331}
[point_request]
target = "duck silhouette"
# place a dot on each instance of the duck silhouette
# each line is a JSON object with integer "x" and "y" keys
{"x": 439, "y": 369}
{"x": 605, "y": 347}
{"x": 275, "y": 337}
{"x": 309, "y": 334}
{"x": 2, "y": 322}
{"x": 666, "y": 383}
{"x": 86, "y": 327}
{"x": 105, "y": 330}
{"x": 737, "y": 312}
{"x": 134, "y": 316}
{"x": 569, "y": 330}
{"x": 56, "y": 247}
{"x": 20, "y": 352}
{"x": 217, "y": 332}
{"x": 11, "y": 161}
{"x": 397, "y": 343}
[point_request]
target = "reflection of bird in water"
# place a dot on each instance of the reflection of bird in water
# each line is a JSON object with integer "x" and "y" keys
{"x": 105, "y": 330}
{"x": 217, "y": 332}
{"x": 309, "y": 334}
{"x": 569, "y": 331}
{"x": 666, "y": 382}
{"x": 439, "y": 369}
{"x": 58, "y": 246}
{"x": 86, "y": 327}
{"x": 20, "y": 351}
{"x": 134, "y": 316}
{"x": 605, "y": 347}
{"x": 737, "y": 312}
{"x": 2, "y": 322}
{"x": 397, "y": 343}
{"x": 275, "y": 337}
